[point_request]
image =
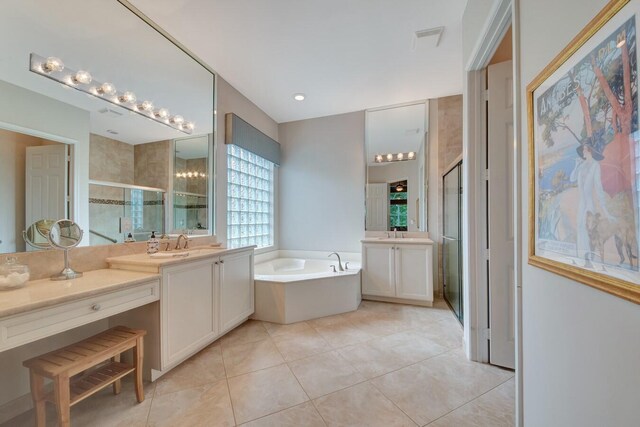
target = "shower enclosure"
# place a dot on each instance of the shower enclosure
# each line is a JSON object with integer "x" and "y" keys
{"x": 452, "y": 239}
{"x": 116, "y": 210}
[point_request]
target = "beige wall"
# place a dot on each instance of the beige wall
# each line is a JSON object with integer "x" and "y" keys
{"x": 322, "y": 183}
{"x": 110, "y": 160}
{"x": 229, "y": 100}
{"x": 581, "y": 346}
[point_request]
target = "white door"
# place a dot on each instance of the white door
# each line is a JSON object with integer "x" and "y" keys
{"x": 188, "y": 299}
{"x": 378, "y": 269}
{"x": 235, "y": 279}
{"x": 377, "y": 207}
{"x": 500, "y": 201}
{"x": 413, "y": 272}
{"x": 46, "y": 183}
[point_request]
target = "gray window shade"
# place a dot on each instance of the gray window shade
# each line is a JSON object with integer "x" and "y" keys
{"x": 240, "y": 133}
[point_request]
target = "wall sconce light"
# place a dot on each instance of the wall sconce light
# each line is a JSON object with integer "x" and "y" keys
{"x": 399, "y": 157}
{"x": 54, "y": 69}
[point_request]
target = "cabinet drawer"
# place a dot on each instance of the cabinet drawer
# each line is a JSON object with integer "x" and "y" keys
{"x": 27, "y": 327}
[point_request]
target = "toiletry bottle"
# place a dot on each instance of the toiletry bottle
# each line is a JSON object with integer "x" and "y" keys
{"x": 153, "y": 244}
{"x": 129, "y": 238}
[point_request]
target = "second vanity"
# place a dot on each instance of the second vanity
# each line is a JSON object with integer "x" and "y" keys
{"x": 398, "y": 270}
{"x": 202, "y": 296}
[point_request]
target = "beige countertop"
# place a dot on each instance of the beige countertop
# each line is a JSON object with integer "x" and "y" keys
{"x": 149, "y": 263}
{"x": 399, "y": 240}
{"x": 45, "y": 292}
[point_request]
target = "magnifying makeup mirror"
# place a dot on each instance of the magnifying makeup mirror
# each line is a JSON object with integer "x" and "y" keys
{"x": 37, "y": 235}
{"x": 65, "y": 234}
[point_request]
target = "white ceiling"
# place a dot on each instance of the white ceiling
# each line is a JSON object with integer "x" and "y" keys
{"x": 395, "y": 130}
{"x": 344, "y": 55}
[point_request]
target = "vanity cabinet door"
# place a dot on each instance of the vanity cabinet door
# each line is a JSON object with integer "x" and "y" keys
{"x": 378, "y": 270}
{"x": 235, "y": 279}
{"x": 413, "y": 272}
{"x": 188, "y": 320}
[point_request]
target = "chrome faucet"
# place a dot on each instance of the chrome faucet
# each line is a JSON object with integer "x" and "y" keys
{"x": 339, "y": 261}
{"x": 186, "y": 241}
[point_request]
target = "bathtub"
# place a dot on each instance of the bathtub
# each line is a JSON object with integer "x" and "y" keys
{"x": 289, "y": 290}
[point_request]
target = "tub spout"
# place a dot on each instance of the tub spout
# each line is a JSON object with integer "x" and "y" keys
{"x": 339, "y": 261}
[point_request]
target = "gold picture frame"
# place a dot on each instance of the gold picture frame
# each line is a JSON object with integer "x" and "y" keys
{"x": 584, "y": 213}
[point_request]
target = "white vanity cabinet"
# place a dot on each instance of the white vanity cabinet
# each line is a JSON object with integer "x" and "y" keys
{"x": 188, "y": 313}
{"x": 202, "y": 300}
{"x": 397, "y": 271}
{"x": 237, "y": 300}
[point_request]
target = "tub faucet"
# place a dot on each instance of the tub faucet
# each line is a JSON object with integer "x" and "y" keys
{"x": 339, "y": 261}
{"x": 186, "y": 241}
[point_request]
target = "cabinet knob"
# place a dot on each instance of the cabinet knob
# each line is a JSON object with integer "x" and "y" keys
{"x": 96, "y": 307}
{"x": 216, "y": 262}
{"x": 221, "y": 262}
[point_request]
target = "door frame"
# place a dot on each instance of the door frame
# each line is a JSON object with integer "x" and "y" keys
{"x": 476, "y": 314}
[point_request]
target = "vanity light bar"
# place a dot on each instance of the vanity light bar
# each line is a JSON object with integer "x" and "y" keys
{"x": 191, "y": 175}
{"x": 397, "y": 157}
{"x": 54, "y": 69}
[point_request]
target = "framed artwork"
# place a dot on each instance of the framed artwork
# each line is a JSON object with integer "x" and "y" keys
{"x": 584, "y": 156}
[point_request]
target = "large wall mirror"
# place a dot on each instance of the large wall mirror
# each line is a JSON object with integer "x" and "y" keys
{"x": 96, "y": 107}
{"x": 397, "y": 168}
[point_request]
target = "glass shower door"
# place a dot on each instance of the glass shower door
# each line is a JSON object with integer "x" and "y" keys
{"x": 452, "y": 239}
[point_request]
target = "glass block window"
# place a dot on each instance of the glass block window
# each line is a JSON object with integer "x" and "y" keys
{"x": 250, "y": 207}
{"x": 137, "y": 209}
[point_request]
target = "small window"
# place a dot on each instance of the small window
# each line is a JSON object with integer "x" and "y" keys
{"x": 398, "y": 206}
{"x": 250, "y": 206}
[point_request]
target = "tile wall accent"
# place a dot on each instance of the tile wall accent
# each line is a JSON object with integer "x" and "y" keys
{"x": 152, "y": 162}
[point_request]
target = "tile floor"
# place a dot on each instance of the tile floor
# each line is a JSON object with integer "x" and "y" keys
{"x": 382, "y": 365}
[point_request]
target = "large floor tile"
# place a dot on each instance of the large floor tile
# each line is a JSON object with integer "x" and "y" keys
{"x": 249, "y": 331}
{"x": 360, "y": 405}
{"x": 446, "y": 332}
{"x": 343, "y": 334}
{"x": 204, "y": 368}
{"x": 428, "y": 390}
{"x": 305, "y": 415}
{"x": 323, "y": 322}
{"x": 249, "y": 357}
{"x": 304, "y": 343}
{"x": 276, "y": 329}
{"x": 495, "y": 408}
{"x": 201, "y": 406}
{"x": 325, "y": 373}
{"x": 264, "y": 392}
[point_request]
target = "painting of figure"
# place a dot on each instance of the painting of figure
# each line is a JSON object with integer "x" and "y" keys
{"x": 587, "y": 158}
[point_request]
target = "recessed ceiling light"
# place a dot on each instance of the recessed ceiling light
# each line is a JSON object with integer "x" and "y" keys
{"x": 299, "y": 96}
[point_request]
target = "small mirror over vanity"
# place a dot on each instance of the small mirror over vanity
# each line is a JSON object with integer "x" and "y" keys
{"x": 107, "y": 123}
{"x": 397, "y": 162}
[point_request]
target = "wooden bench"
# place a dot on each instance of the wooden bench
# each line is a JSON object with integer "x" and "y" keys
{"x": 100, "y": 352}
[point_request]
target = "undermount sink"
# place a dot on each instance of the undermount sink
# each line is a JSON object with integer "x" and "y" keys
{"x": 180, "y": 253}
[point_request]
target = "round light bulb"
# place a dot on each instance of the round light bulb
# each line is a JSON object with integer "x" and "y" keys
{"x": 162, "y": 113}
{"x": 146, "y": 106}
{"x": 411, "y": 155}
{"x": 188, "y": 126}
{"x": 379, "y": 158}
{"x": 176, "y": 120}
{"x": 127, "y": 97}
{"x": 82, "y": 77}
{"x": 400, "y": 156}
{"x": 189, "y": 174}
{"x": 389, "y": 157}
{"x": 299, "y": 96}
{"x": 106, "y": 89}
{"x": 52, "y": 64}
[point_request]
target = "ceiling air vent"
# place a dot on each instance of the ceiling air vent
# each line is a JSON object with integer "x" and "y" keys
{"x": 110, "y": 113}
{"x": 433, "y": 35}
